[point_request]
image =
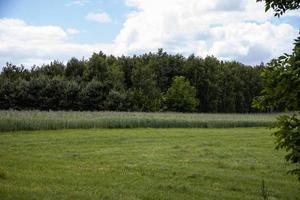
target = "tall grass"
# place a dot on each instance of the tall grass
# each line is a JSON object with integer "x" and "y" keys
{"x": 38, "y": 120}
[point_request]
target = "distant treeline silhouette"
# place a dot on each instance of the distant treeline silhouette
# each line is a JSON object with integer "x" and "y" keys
{"x": 133, "y": 83}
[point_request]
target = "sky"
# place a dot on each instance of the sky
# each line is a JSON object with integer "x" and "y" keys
{"x": 35, "y": 32}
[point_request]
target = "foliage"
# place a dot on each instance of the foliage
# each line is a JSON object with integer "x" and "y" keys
{"x": 281, "y": 6}
{"x": 181, "y": 96}
{"x": 74, "y": 69}
{"x": 136, "y": 83}
{"x": 288, "y": 138}
{"x": 281, "y": 83}
{"x": 282, "y": 91}
{"x": 93, "y": 95}
{"x": 96, "y": 68}
{"x": 145, "y": 95}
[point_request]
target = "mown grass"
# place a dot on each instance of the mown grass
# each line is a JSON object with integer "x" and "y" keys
{"x": 37, "y": 120}
{"x": 144, "y": 164}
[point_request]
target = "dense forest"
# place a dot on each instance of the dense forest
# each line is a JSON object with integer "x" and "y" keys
{"x": 150, "y": 82}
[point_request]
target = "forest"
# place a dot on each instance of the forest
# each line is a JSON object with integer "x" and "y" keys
{"x": 150, "y": 82}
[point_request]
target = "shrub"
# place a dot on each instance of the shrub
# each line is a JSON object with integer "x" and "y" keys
{"x": 181, "y": 96}
{"x": 288, "y": 138}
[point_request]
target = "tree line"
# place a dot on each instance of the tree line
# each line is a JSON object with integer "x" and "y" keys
{"x": 150, "y": 82}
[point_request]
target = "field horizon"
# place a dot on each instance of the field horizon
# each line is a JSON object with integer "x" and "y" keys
{"x": 54, "y": 120}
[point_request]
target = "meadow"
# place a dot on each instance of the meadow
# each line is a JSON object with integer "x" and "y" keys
{"x": 144, "y": 163}
{"x": 38, "y": 120}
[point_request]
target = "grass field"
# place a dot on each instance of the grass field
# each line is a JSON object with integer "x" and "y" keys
{"x": 143, "y": 164}
{"x": 37, "y": 120}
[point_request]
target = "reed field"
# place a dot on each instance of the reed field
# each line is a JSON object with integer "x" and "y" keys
{"x": 39, "y": 120}
{"x": 144, "y": 163}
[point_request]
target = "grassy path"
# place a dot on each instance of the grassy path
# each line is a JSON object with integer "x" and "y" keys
{"x": 143, "y": 164}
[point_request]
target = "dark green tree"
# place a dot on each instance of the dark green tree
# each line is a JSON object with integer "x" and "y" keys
{"x": 117, "y": 97}
{"x": 54, "y": 94}
{"x": 93, "y": 96}
{"x": 37, "y": 93}
{"x": 74, "y": 69}
{"x": 97, "y": 68}
{"x": 134, "y": 83}
{"x": 144, "y": 95}
{"x": 53, "y": 69}
{"x": 71, "y": 99}
{"x": 7, "y": 94}
{"x": 115, "y": 77}
{"x": 13, "y": 72}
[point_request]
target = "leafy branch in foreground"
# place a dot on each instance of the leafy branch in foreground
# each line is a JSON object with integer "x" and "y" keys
{"x": 281, "y": 6}
{"x": 281, "y": 79}
{"x": 288, "y": 138}
{"x": 282, "y": 91}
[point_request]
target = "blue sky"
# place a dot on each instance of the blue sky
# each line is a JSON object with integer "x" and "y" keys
{"x": 36, "y": 32}
{"x": 67, "y": 14}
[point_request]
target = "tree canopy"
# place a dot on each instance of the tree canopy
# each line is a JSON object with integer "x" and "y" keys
{"x": 136, "y": 83}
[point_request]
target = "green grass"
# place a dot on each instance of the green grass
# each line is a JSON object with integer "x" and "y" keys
{"x": 37, "y": 120}
{"x": 144, "y": 164}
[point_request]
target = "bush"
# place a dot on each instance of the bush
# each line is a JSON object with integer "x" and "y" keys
{"x": 181, "y": 96}
{"x": 288, "y": 138}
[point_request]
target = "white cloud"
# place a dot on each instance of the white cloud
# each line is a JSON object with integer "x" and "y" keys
{"x": 21, "y": 43}
{"x": 237, "y": 29}
{"x": 77, "y": 3}
{"x": 72, "y": 31}
{"x": 227, "y": 29}
{"x": 102, "y": 17}
{"x": 239, "y": 40}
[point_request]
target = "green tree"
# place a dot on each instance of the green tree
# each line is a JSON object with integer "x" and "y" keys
{"x": 281, "y": 6}
{"x": 144, "y": 95}
{"x": 117, "y": 96}
{"x": 7, "y": 94}
{"x": 21, "y": 94}
{"x": 93, "y": 96}
{"x": 97, "y": 67}
{"x": 71, "y": 100}
{"x": 74, "y": 69}
{"x": 133, "y": 83}
{"x": 117, "y": 100}
{"x": 115, "y": 77}
{"x": 53, "y": 69}
{"x": 54, "y": 93}
{"x": 282, "y": 83}
{"x": 210, "y": 85}
{"x": 282, "y": 91}
{"x": 37, "y": 92}
{"x": 13, "y": 72}
{"x": 181, "y": 96}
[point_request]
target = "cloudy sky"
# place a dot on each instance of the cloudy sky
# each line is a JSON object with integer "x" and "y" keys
{"x": 36, "y": 32}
